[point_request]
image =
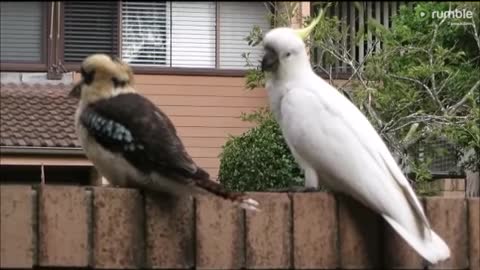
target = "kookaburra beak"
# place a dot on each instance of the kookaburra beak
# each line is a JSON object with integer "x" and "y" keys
{"x": 305, "y": 32}
{"x": 76, "y": 90}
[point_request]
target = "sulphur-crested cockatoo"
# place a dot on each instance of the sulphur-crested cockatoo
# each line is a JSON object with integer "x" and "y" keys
{"x": 336, "y": 144}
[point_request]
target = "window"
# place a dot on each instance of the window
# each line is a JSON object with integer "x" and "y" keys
{"x": 172, "y": 34}
{"x": 21, "y": 38}
{"x": 89, "y": 30}
{"x": 192, "y": 36}
{"x": 236, "y": 22}
{"x": 144, "y": 33}
{"x": 157, "y": 35}
{"x": 184, "y": 34}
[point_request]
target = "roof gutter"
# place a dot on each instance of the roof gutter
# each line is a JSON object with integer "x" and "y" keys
{"x": 71, "y": 151}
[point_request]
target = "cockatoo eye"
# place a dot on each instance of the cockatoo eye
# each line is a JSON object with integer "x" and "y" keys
{"x": 287, "y": 54}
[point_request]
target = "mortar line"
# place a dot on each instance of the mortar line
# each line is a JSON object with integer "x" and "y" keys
{"x": 337, "y": 230}
{"x": 90, "y": 225}
{"x": 35, "y": 200}
{"x": 292, "y": 231}
{"x": 144, "y": 232}
{"x": 194, "y": 234}
{"x": 244, "y": 231}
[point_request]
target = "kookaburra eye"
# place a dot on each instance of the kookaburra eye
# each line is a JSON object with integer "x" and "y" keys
{"x": 87, "y": 76}
{"x": 118, "y": 83}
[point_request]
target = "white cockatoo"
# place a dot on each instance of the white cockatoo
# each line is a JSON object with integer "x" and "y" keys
{"x": 336, "y": 144}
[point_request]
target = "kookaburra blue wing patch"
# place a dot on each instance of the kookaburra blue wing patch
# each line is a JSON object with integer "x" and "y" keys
{"x": 133, "y": 126}
{"x": 108, "y": 132}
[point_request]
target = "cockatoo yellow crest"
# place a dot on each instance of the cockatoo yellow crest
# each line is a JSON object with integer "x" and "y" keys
{"x": 306, "y": 31}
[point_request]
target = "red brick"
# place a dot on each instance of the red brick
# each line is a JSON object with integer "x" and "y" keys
{"x": 447, "y": 217}
{"x": 170, "y": 232}
{"x": 446, "y": 184}
{"x": 63, "y": 226}
{"x": 16, "y": 227}
{"x": 219, "y": 233}
{"x": 268, "y": 233}
{"x": 359, "y": 231}
{"x": 118, "y": 228}
{"x": 453, "y": 194}
{"x": 460, "y": 184}
{"x": 398, "y": 254}
{"x": 315, "y": 231}
{"x": 474, "y": 232}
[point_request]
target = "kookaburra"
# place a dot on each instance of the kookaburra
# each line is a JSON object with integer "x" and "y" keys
{"x": 130, "y": 140}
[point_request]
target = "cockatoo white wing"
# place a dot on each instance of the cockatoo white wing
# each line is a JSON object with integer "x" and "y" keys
{"x": 311, "y": 180}
{"x": 335, "y": 138}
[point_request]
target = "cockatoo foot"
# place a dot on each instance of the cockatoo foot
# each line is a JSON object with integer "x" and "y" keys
{"x": 249, "y": 204}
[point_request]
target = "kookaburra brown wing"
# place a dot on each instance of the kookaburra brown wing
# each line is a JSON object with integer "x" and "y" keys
{"x": 130, "y": 140}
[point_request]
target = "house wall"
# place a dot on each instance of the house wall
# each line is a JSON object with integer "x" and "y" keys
{"x": 46, "y": 160}
{"x": 206, "y": 110}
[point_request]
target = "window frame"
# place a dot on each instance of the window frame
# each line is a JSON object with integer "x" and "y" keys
{"x": 45, "y": 51}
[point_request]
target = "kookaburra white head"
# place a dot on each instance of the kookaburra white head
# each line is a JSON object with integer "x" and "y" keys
{"x": 103, "y": 76}
{"x": 285, "y": 50}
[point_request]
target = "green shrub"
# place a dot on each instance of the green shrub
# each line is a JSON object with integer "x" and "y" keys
{"x": 259, "y": 159}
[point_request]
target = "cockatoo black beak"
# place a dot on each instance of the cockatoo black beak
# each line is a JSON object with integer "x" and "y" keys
{"x": 77, "y": 90}
{"x": 270, "y": 61}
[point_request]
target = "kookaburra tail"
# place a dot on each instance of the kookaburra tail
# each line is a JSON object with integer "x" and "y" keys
{"x": 130, "y": 140}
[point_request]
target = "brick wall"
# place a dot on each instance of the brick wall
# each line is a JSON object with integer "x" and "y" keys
{"x": 450, "y": 187}
{"x": 67, "y": 226}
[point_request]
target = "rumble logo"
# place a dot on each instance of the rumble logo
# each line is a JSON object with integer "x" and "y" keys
{"x": 458, "y": 16}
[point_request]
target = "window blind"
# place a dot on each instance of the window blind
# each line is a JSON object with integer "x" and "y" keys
{"x": 175, "y": 34}
{"x": 21, "y": 31}
{"x": 145, "y": 27}
{"x": 237, "y": 19}
{"x": 193, "y": 34}
{"x": 183, "y": 34}
{"x": 89, "y": 27}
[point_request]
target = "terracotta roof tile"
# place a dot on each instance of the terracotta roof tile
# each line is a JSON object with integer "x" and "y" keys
{"x": 37, "y": 116}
